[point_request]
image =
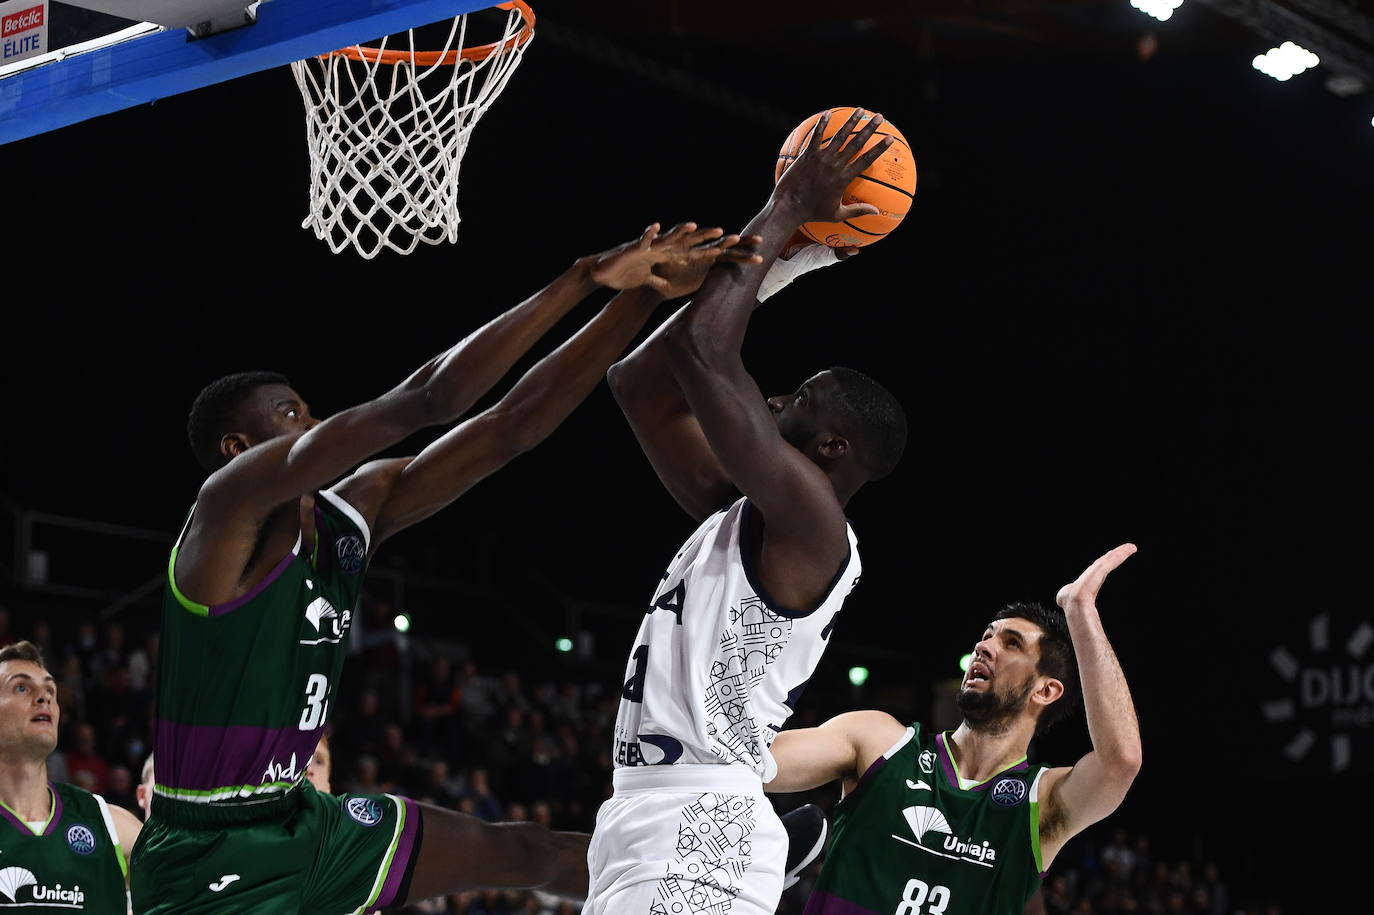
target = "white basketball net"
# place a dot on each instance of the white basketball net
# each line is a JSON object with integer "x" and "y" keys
{"x": 386, "y": 139}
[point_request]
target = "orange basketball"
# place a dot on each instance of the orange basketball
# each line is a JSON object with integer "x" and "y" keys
{"x": 889, "y": 183}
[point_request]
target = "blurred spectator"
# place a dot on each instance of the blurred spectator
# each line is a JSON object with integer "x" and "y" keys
{"x": 365, "y": 777}
{"x": 41, "y": 636}
{"x": 440, "y": 786}
{"x": 392, "y": 757}
{"x": 484, "y": 804}
{"x": 1057, "y": 896}
{"x": 141, "y": 661}
{"x": 110, "y": 654}
{"x": 71, "y": 685}
{"x": 364, "y": 733}
{"x": 479, "y": 696}
{"x": 84, "y": 646}
{"x": 1119, "y": 850}
{"x": 510, "y": 694}
{"x": 1221, "y": 895}
{"x": 120, "y": 790}
{"x": 438, "y": 696}
{"x": 6, "y": 636}
{"x": 118, "y": 709}
{"x": 86, "y": 768}
{"x": 566, "y": 705}
{"x": 378, "y": 641}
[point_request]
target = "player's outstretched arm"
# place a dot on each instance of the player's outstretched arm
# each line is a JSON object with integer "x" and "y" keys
{"x": 408, "y": 490}
{"x": 842, "y": 748}
{"x": 261, "y": 478}
{"x": 461, "y": 852}
{"x": 1075, "y": 797}
{"x": 804, "y": 522}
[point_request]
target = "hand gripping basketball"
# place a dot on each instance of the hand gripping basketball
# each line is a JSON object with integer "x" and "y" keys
{"x": 815, "y": 183}
{"x": 889, "y": 184}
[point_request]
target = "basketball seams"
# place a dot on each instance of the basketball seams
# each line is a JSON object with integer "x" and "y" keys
{"x": 892, "y": 187}
{"x": 865, "y": 231}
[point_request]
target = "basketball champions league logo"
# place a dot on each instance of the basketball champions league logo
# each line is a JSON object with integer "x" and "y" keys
{"x": 1325, "y": 705}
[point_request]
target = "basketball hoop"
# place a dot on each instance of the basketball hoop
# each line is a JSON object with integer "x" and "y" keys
{"x": 387, "y": 129}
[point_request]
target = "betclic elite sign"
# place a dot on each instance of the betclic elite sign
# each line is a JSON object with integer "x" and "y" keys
{"x": 23, "y": 29}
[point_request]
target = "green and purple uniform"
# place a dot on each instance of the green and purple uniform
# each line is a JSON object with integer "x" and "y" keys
{"x": 243, "y": 695}
{"x": 72, "y": 864}
{"x": 909, "y": 840}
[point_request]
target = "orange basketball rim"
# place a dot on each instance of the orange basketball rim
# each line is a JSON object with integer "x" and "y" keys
{"x": 449, "y": 58}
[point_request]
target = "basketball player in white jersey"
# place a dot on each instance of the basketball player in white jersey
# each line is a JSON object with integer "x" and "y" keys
{"x": 743, "y": 612}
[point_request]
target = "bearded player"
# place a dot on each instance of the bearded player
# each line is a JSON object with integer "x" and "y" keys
{"x": 959, "y": 823}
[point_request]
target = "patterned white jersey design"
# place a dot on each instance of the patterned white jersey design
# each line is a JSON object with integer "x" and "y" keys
{"x": 717, "y": 666}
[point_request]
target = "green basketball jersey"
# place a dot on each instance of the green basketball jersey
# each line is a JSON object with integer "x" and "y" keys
{"x": 909, "y": 841}
{"x": 243, "y": 688}
{"x": 73, "y": 865}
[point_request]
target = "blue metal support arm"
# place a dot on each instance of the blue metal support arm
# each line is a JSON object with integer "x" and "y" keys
{"x": 87, "y": 85}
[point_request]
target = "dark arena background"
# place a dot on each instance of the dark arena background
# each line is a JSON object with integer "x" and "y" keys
{"x": 1124, "y": 307}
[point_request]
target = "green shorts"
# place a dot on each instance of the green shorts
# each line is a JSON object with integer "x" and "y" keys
{"x": 328, "y": 854}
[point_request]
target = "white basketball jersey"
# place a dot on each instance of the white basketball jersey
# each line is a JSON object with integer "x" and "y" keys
{"x": 718, "y": 667}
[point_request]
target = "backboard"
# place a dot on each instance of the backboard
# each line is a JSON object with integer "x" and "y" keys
{"x": 175, "y": 46}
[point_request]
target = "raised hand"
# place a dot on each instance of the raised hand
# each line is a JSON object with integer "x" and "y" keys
{"x": 1081, "y": 593}
{"x": 686, "y": 273}
{"x": 816, "y": 181}
{"x": 678, "y": 256}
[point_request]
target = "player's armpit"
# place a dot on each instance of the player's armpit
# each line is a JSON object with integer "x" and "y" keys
{"x": 369, "y": 489}
{"x": 1073, "y": 798}
{"x": 412, "y": 489}
{"x": 663, "y": 424}
{"x": 684, "y": 463}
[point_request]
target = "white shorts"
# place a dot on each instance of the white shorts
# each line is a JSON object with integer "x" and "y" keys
{"x": 686, "y": 840}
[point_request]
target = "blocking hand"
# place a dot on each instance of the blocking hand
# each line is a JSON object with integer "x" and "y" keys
{"x": 1081, "y": 593}
{"x": 667, "y": 263}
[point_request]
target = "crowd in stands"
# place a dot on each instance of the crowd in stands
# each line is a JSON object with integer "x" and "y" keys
{"x": 502, "y": 745}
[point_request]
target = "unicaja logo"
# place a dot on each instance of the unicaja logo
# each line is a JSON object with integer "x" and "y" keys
{"x": 14, "y": 879}
{"x": 925, "y": 819}
{"x": 1327, "y": 692}
{"x": 928, "y": 820}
